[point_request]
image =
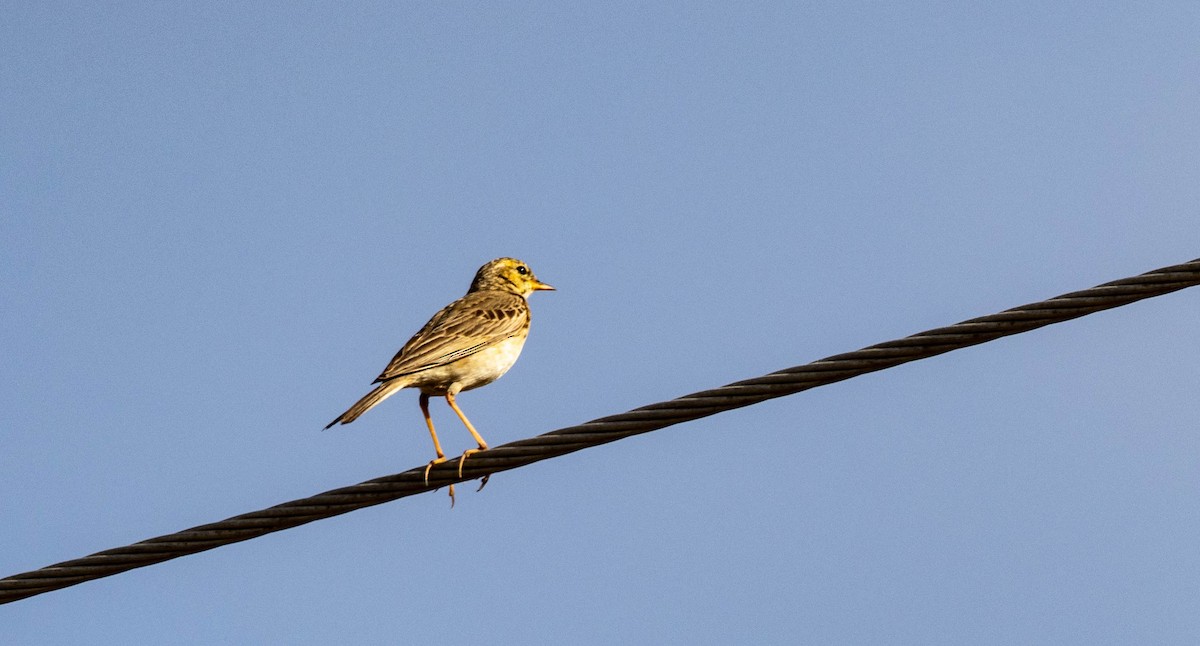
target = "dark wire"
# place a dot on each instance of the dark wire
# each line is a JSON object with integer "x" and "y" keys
{"x": 601, "y": 431}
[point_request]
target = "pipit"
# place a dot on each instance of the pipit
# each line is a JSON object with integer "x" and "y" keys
{"x": 469, "y": 343}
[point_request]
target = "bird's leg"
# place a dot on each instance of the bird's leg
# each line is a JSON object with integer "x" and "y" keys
{"x": 478, "y": 439}
{"x": 437, "y": 446}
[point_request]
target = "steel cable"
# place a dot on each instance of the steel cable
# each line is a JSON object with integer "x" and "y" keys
{"x": 601, "y": 431}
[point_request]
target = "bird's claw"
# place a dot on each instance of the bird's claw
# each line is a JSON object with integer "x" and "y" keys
{"x": 463, "y": 458}
{"x": 438, "y": 460}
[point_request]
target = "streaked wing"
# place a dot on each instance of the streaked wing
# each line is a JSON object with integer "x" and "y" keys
{"x": 462, "y": 328}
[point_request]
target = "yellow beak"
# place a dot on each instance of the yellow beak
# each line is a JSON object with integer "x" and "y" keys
{"x": 540, "y": 286}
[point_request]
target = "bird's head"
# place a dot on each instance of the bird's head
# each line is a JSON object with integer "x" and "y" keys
{"x": 507, "y": 275}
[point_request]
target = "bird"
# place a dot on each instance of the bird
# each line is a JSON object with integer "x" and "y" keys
{"x": 467, "y": 344}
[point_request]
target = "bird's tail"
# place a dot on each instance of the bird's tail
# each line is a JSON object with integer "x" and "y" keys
{"x": 381, "y": 392}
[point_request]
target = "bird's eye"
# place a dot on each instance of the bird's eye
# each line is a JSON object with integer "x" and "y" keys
{"x": 522, "y": 269}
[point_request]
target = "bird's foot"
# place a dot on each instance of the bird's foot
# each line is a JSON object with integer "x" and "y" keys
{"x": 438, "y": 460}
{"x": 463, "y": 458}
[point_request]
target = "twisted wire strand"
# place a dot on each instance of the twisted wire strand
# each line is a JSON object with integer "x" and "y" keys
{"x": 603, "y": 430}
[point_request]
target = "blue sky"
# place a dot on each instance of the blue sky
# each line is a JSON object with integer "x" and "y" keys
{"x": 220, "y": 221}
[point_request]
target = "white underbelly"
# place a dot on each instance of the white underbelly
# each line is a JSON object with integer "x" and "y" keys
{"x": 477, "y": 370}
